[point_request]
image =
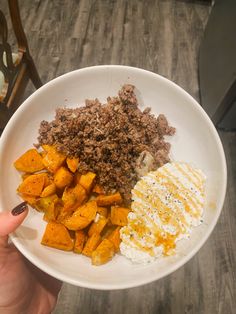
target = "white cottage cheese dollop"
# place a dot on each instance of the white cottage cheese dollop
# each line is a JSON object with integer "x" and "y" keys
{"x": 166, "y": 204}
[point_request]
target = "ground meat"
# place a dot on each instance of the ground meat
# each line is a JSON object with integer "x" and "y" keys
{"x": 109, "y": 138}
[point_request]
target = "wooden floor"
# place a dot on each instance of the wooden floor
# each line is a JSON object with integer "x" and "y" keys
{"x": 162, "y": 36}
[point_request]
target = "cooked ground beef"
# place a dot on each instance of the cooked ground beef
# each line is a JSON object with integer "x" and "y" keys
{"x": 109, "y": 138}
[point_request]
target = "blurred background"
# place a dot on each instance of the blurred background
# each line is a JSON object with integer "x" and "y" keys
{"x": 192, "y": 43}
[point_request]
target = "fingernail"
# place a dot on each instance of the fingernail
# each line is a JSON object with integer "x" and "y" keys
{"x": 19, "y": 209}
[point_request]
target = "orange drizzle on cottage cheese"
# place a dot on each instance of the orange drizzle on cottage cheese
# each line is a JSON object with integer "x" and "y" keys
{"x": 166, "y": 204}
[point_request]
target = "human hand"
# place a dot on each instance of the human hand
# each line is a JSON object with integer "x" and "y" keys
{"x": 24, "y": 289}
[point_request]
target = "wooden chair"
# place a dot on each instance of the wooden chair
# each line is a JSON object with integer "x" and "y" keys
{"x": 15, "y": 69}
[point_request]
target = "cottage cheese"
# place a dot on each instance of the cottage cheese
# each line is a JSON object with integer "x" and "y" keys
{"x": 166, "y": 204}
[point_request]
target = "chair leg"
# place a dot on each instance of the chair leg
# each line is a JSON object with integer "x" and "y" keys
{"x": 33, "y": 73}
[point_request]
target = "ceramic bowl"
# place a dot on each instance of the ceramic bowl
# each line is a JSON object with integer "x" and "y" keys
{"x": 196, "y": 141}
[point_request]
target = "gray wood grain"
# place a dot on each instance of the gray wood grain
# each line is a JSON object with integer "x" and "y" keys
{"x": 164, "y": 37}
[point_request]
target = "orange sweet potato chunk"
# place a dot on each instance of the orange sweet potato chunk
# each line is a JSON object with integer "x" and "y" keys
{"x": 88, "y": 210}
{"x": 49, "y": 190}
{"x": 48, "y": 179}
{"x": 72, "y": 163}
{"x": 33, "y": 185}
{"x": 43, "y": 203}
{"x": 107, "y": 200}
{"x": 31, "y": 161}
{"x": 102, "y": 211}
{"x": 108, "y": 229}
{"x": 74, "y": 197}
{"x": 71, "y": 199}
{"x": 103, "y": 253}
{"x": 61, "y": 192}
{"x": 119, "y": 215}
{"x": 97, "y": 226}
{"x": 98, "y": 189}
{"x": 87, "y": 180}
{"x": 77, "y": 176}
{"x": 53, "y": 159}
{"x": 52, "y": 211}
{"x": 76, "y": 222}
{"x": 114, "y": 237}
{"x": 80, "y": 239}
{"x": 82, "y": 217}
{"x": 63, "y": 178}
{"x": 91, "y": 244}
{"x": 57, "y": 236}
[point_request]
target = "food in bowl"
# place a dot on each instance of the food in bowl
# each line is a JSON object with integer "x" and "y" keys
{"x": 167, "y": 203}
{"x": 196, "y": 141}
{"x": 114, "y": 140}
{"x": 90, "y": 159}
{"x": 80, "y": 216}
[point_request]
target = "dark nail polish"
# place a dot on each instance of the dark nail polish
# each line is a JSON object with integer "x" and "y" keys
{"x": 19, "y": 209}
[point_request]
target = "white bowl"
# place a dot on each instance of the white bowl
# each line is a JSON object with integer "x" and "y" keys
{"x": 196, "y": 141}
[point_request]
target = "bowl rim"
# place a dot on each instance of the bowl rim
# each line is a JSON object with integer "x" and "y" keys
{"x": 101, "y": 286}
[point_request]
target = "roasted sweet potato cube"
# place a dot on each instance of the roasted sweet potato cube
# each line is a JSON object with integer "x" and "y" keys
{"x": 32, "y": 185}
{"x": 87, "y": 180}
{"x": 72, "y": 163}
{"x": 48, "y": 179}
{"x": 43, "y": 203}
{"x": 91, "y": 244}
{"x": 77, "y": 176}
{"x": 103, "y": 253}
{"x": 98, "y": 189}
{"x": 63, "y": 178}
{"x": 70, "y": 203}
{"x": 61, "y": 214}
{"x": 98, "y": 225}
{"x": 52, "y": 211}
{"x": 64, "y": 213}
{"x": 57, "y": 236}
{"x": 30, "y": 161}
{"x": 49, "y": 190}
{"x": 119, "y": 215}
{"x": 87, "y": 210}
{"x": 53, "y": 160}
{"x": 109, "y": 223}
{"x": 108, "y": 229}
{"x": 74, "y": 197}
{"x": 107, "y": 200}
{"x": 76, "y": 222}
{"x": 80, "y": 239}
{"x": 102, "y": 211}
{"x": 114, "y": 237}
{"x": 43, "y": 154}
{"x": 82, "y": 217}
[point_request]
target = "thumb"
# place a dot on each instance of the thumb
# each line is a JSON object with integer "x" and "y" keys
{"x": 9, "y": 221}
